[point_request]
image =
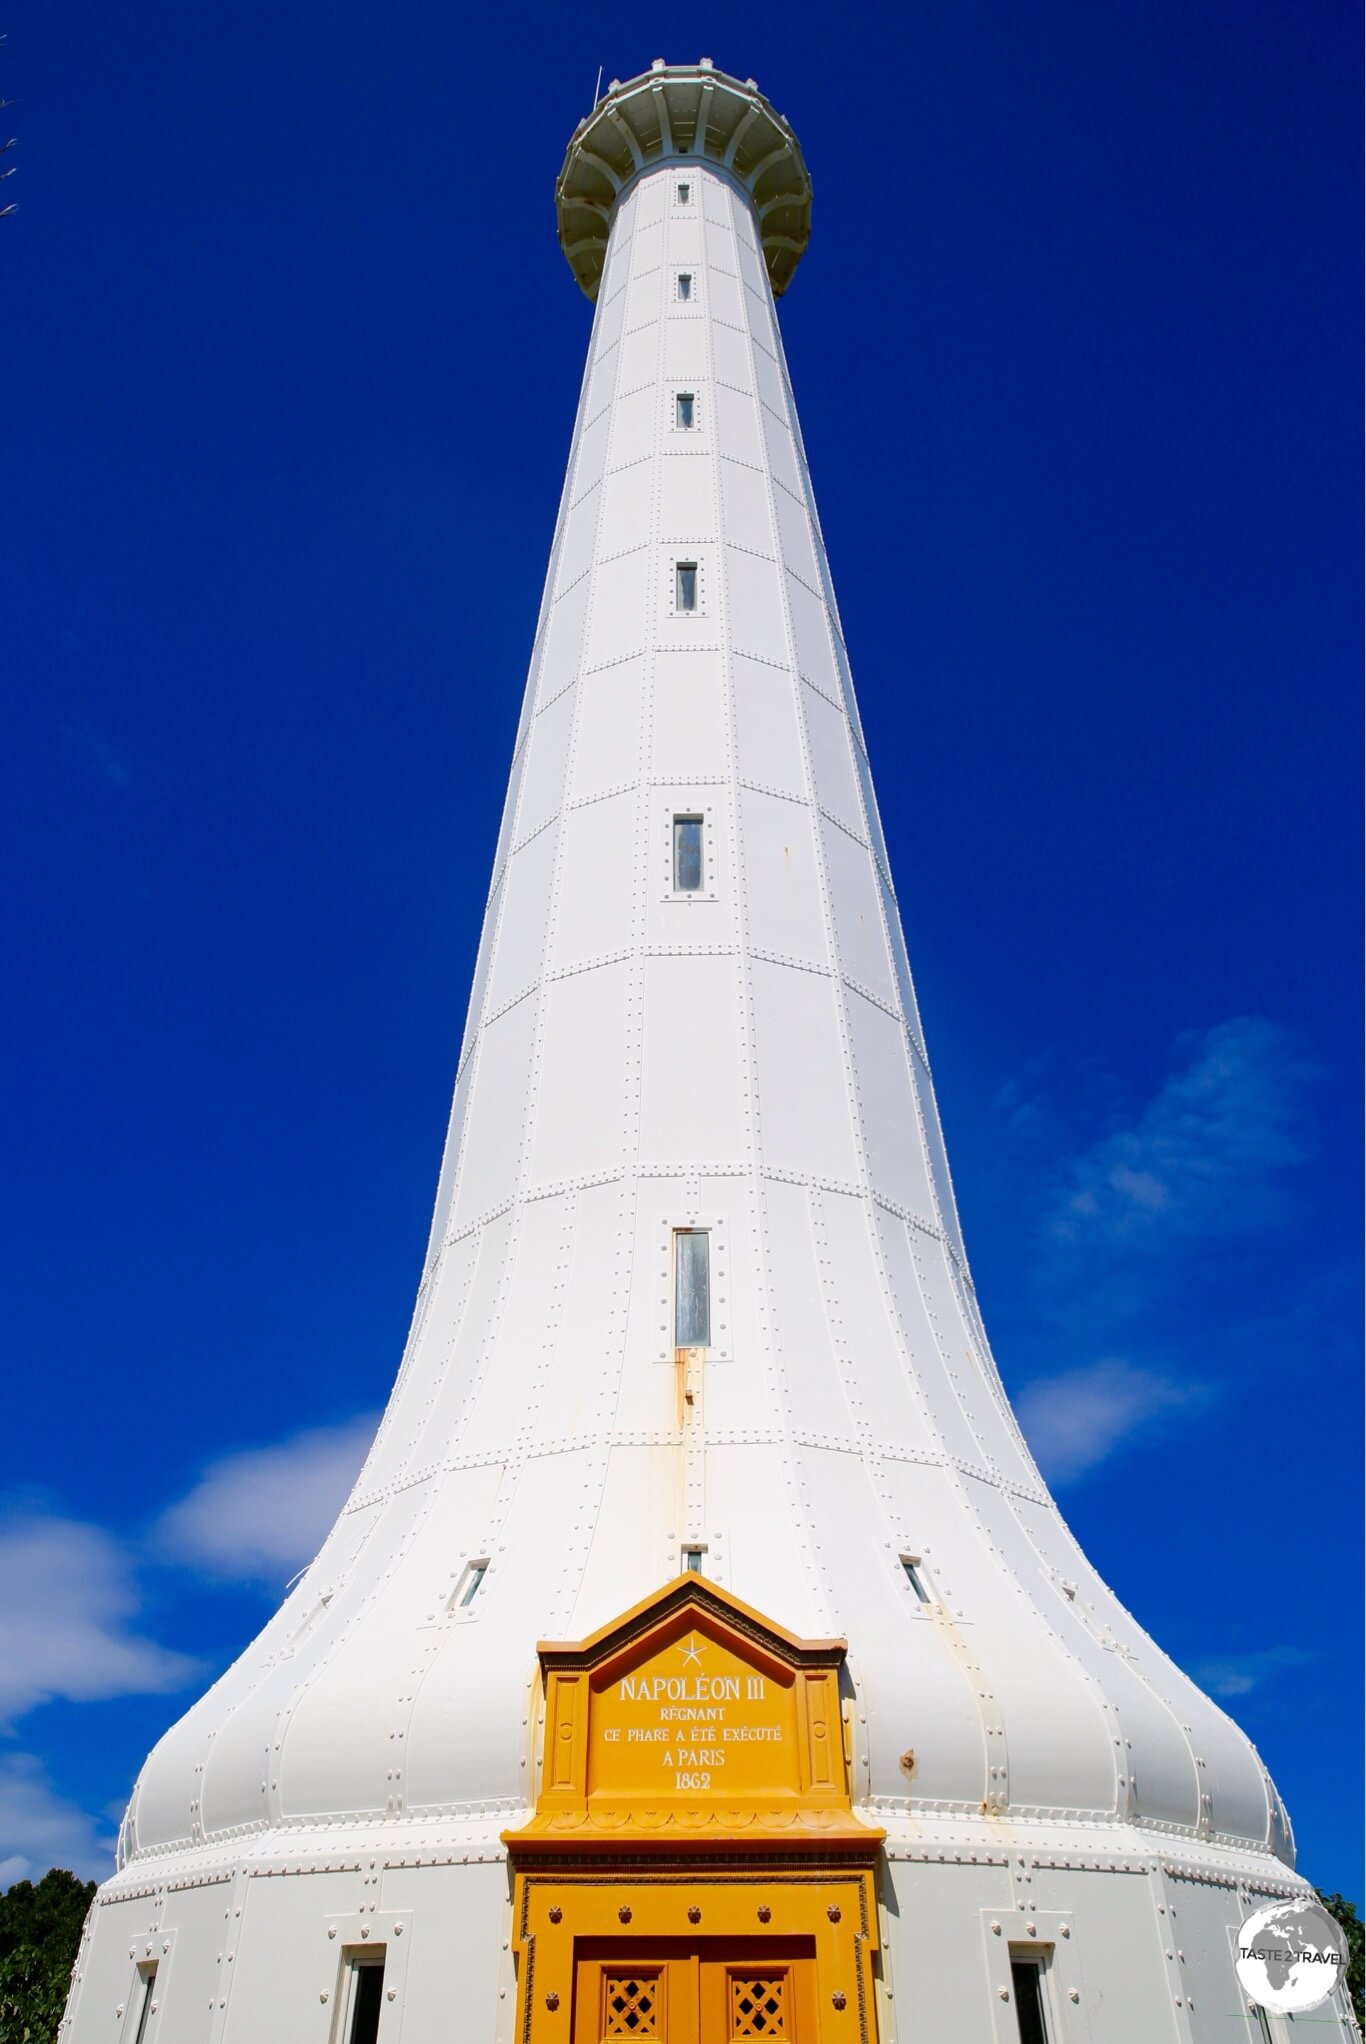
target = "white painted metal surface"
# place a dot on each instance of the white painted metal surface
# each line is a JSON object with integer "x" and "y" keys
{"x": 747, "y": 1057}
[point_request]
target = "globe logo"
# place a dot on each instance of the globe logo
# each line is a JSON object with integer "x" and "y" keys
{"x": 1291, "y": 1955}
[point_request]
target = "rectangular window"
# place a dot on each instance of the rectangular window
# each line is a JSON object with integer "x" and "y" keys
{"x": 684, "y": 286}
{"x": 1026, "y": 1977}
{"x": 365, "y": 1998}
{"x": 692, "y": 1288}
{"x": 467, "y": 1589}
{"x": 692, "y": 1560}
{"x": 147, "y": 1981}
{"x": 687, "y": 854}
{"x": 684, "y": 194}
{"x": 683, "y": 410}
{"x": 911, "y": 1565}
{"x": 685, "y": 585}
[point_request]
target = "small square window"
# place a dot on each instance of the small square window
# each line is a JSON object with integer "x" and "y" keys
{"x": 684, "y": 286}
{"x": 911, "y": 1567}
{"x": 685, "y": 585}
{"x": 692, "y": 1288}
{"x": 685, "y": 194}
{"x": 687, "y": 854}
{"x": 685, "y": 410}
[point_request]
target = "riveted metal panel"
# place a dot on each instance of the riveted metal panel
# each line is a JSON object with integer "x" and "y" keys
{"x": 617, "y": 617}
{"x": 543, "y": 782}
{"x": 804, "y": 1120}
{"x": 856, "y": 913}
{"x": 594, "y": 1280}
{"x": 689, "y": 739}
{"x": 813, "y": 1400}
{"x": 755, "y": 603}
{"x": 686, "y": 498}
{"x": 519, "y": 952}
{"x": 593, "y": 902}
{"x": 427, "y": 1424}
{"x": 737, "y": 426}
{"x": 564, "y": 644}
{"x": 580, "y": 1086}
{"x": 611, "y": 705}
{"x": 887, "y": 1108}
{"x": 781, "y": 457}
{"x": 285, "y": 1966}
{"x": 919, "y": 1341}
{"x": 892, "y": 1407}
{"x": 783, "y": 912}
{"x": 767, "y": 740}
{"x": 493, "y": 1127}
{"x": 685, "y": 351}
{"x": 749, "y": 1491}
{"x": 745, "y": 505}
{"x": 828, "y": 738}
{"x": 811, "y": 636}
{"x": 690, "y": 1080}
{"x": 730, "y": 366}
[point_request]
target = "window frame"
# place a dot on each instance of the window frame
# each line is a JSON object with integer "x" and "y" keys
{"x": 689, "y": 1232}
{"x": 685, "y": 292}
{"x": 358, "y": 1959}
{"x": 1038, "y": 1959}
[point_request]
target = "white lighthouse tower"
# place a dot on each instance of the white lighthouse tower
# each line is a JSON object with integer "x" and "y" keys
{"x": 699, "y": 1655}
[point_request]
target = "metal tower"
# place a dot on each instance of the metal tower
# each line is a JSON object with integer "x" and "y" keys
{"x": 700, "y": 1654}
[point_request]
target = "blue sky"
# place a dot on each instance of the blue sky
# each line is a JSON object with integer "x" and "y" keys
{"x": 291, "y": 359}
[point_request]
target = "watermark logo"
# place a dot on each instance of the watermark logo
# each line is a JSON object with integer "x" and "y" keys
{"x": 1291, "y": 1955}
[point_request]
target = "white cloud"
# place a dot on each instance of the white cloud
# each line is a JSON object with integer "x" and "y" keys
{"x": 1204, "y": 1159}
{"x": 40, "y": 1829}
{"x": 67, "y": 1602}
{"x": 1074, "y": 1421}
{"x": 1238, "y": 1673}
{"x": 264, "y": 1512}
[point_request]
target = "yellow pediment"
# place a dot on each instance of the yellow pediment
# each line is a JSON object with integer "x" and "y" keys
{"x": 693, "y": 1718}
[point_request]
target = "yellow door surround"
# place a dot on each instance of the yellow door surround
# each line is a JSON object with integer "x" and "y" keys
{"x": 693, "y": 1869}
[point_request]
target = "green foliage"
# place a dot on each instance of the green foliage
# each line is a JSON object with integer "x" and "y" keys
{"x": 40, "y": 1931}
{"x": 1344, "y": 1912}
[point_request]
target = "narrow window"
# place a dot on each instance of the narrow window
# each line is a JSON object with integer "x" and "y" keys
{"x": 692, "y": 1288}
{"x": 684, "y": 194}
{"x": 685, "y": 586}
{"x": 366, "y": 1999}
{"x": 687, "y": 854}
{"x": 684, "y": 285}
{"x": 683, "y": 410}
{"x": 1027, "y": 1978}
{"x": 692, "y": 1560}
{"x": 147, "y": 1981}
{"x": 467, "y": 1588}
{"x": 911, "y": 1565}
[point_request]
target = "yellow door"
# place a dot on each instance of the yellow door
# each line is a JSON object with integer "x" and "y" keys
{"x": 713, "y": 1991}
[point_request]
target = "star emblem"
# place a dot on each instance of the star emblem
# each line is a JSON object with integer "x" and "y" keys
{"x": 694, "y": 1650}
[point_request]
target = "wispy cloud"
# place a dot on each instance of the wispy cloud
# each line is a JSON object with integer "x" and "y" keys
{"x": 1205, "y": 1159}
{"x": 98, "y": 750}
{"x": 41, "y": 1829}
{"x": 1076, "y": 1420}
{"x": 264, "y": 1512}
{"x": 1239, "y": 1673}
{"x": 68, "y": 1602}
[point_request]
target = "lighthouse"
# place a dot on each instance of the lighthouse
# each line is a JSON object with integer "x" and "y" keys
{"x": 699, "y": 1655}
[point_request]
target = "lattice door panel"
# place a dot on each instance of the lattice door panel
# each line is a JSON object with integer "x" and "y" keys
{"x": 631, "y": 2005}
{"x": 758, "y": 2005}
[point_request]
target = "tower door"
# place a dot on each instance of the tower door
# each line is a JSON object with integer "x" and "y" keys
{"x": 712, "y": 1991}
